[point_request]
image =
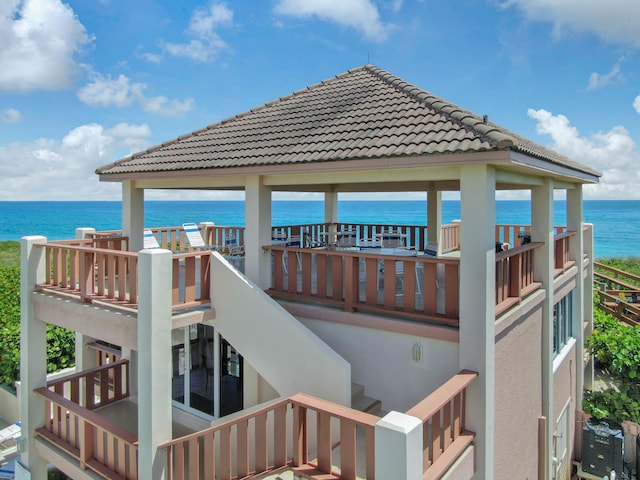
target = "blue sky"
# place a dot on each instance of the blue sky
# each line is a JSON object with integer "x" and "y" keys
{"x": 84, "y": 83}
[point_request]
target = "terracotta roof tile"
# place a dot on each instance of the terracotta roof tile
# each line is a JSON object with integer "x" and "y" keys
{"x": 363, "y": 113}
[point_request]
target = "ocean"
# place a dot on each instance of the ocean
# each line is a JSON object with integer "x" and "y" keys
{"x": 616, "y": 222}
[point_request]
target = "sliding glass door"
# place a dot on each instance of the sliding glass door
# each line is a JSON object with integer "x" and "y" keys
{"x": 207, "y": 371}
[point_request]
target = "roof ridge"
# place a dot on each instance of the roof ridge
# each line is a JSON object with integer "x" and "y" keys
{"x": 459, "y": 115}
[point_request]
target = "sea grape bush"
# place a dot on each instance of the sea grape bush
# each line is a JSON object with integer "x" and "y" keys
{"x": 60, "y": 342}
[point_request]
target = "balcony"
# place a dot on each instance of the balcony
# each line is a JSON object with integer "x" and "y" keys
{"x": 313, "y": 438}
{"x": 402, "y": 283}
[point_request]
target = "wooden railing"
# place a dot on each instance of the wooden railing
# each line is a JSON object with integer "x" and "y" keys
{"x": 256, "y": 442}
{"x": 450, "y": 237}
{"x": 191, "y": 284}
{"x": 619, "y": 292}
{"x": 220, "y": 236}
{"x": 112, "y": 276}
{"x": 444, "y": 436}
{"x": 514, "y": 275}
{"x": 508, "y": 233}
{"x": 94, "y": 273}
{"x": 420, "y": 287}
{"x": 72, "y": 425}
{"x": 562, "y": 256}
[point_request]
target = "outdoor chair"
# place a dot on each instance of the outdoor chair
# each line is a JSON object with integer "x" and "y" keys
{"x": 194, "y": 237}
{"x": 150, "y": 240}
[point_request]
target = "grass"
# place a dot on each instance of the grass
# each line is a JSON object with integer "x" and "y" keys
{"x": 9, "y": 253}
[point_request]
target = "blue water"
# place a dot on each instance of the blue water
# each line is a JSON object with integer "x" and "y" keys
{"x": 616, "y": 222}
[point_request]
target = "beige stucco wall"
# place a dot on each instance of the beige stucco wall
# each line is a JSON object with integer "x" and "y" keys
{"x": 564, "y": 391}
{"x": 381, "y": 361}
{"x": 518, "y": 396}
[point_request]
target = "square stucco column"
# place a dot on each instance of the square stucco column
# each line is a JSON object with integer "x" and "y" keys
{"x": 434, "y": 219}
{"x": 154, "y": 361}
{"x": 477, "y": 306}
{"x": 587, "y": 305}
{"x": 33, "y": 355}
{"x": 330, "y": 207}
{"x": 258, "y": 232}
{"x": 133, "y": 215}
{"x": 543, "y": 260}
{"x": 576, "y": 249}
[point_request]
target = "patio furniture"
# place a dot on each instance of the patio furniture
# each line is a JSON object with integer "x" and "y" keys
{"x": 150, "y": 240}
{"x": 194, "y": 237}
{"x": 392, "y": 239}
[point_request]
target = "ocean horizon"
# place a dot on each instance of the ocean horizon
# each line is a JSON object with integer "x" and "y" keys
{"x": 616, "y": 222}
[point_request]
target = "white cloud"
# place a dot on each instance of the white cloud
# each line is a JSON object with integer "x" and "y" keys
{"x": 48, "y": 169}
{"x": 207, "y": 44}
{"x": 362, "y": 15}
{"x": 614, "y": 20}
{"x": 597, "y": 80}
{"x": 613, "y": 153}
{"x": 10, "y": 115}
{"x": 636, "y": 104}
{"x": 105, "y": 91}
{"x": 38, "y": 42}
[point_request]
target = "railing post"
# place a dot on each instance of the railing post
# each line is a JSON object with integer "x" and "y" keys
{"x": 398, "y": 447}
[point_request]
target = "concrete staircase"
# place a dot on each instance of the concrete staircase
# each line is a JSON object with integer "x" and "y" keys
{"x": 359, "y": 401}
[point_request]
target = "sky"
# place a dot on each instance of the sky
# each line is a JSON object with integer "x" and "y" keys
{"x": 85, "y": 83}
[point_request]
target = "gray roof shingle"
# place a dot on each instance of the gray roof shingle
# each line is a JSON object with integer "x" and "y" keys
{"x": 363, "y": 113}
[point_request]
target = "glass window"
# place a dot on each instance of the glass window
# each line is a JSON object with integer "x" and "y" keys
{"x": 562, "y": 323}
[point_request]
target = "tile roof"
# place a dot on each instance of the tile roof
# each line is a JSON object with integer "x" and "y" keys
{"x": 361, "y": 114}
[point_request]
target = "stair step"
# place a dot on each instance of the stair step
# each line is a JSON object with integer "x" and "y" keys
{"x": 367, "y": 404}
{"x": 357, "y": 392}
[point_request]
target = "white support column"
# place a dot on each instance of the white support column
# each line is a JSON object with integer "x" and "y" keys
{"x": 154, "y": 364}
{"x": 398, "y": 448}
{"x": 331, "y": 207}
{"x": 133, "y": 215}
{"x": 33, "y": 355}
{"x": 576, "y": 246}
{"x": 588, "y": 297}
{"x": 477, "y": 307}
{"x": 258, "y": 231}
{"x": 542, "y": 231}
{"x": 434, "y": 219}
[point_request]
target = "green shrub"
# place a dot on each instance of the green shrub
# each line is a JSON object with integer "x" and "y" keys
{"x": 60, "y": 341}
{"x": 616, "y": 349}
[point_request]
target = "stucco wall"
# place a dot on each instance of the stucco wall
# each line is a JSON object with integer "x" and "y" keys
{"x": 564, "y": 391}
{"x": 518, "y": 395}
{"x": 382, "y": 362}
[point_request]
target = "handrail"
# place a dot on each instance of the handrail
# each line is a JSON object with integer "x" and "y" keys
{"x": 96, "y": 443}
{"x": 442, "y": 414}
{"x": 112, "y": 275}
{"x": 364, "y": 280}
{"x": 102, "y": 385}
{"x": 272, "y": 427}
{"x": 514, "y": 275}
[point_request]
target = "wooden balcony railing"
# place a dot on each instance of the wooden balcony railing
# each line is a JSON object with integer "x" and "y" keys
{"x": 92, "y": 272}
{"x": 444, "y": 436}
{"x": 420, "y": 287}
{"x": 112, "y": 276}
{"x": 256, "y": 442}
{"x": 450, "y": 237}
{"x": 191, "y": 279}
{"x": 514, "y": 276}
{"x": 562, "y": 257}
{"x": 73, "y": 426}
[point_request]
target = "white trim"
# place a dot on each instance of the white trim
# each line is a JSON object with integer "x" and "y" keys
{"x": 563, "y": 353}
